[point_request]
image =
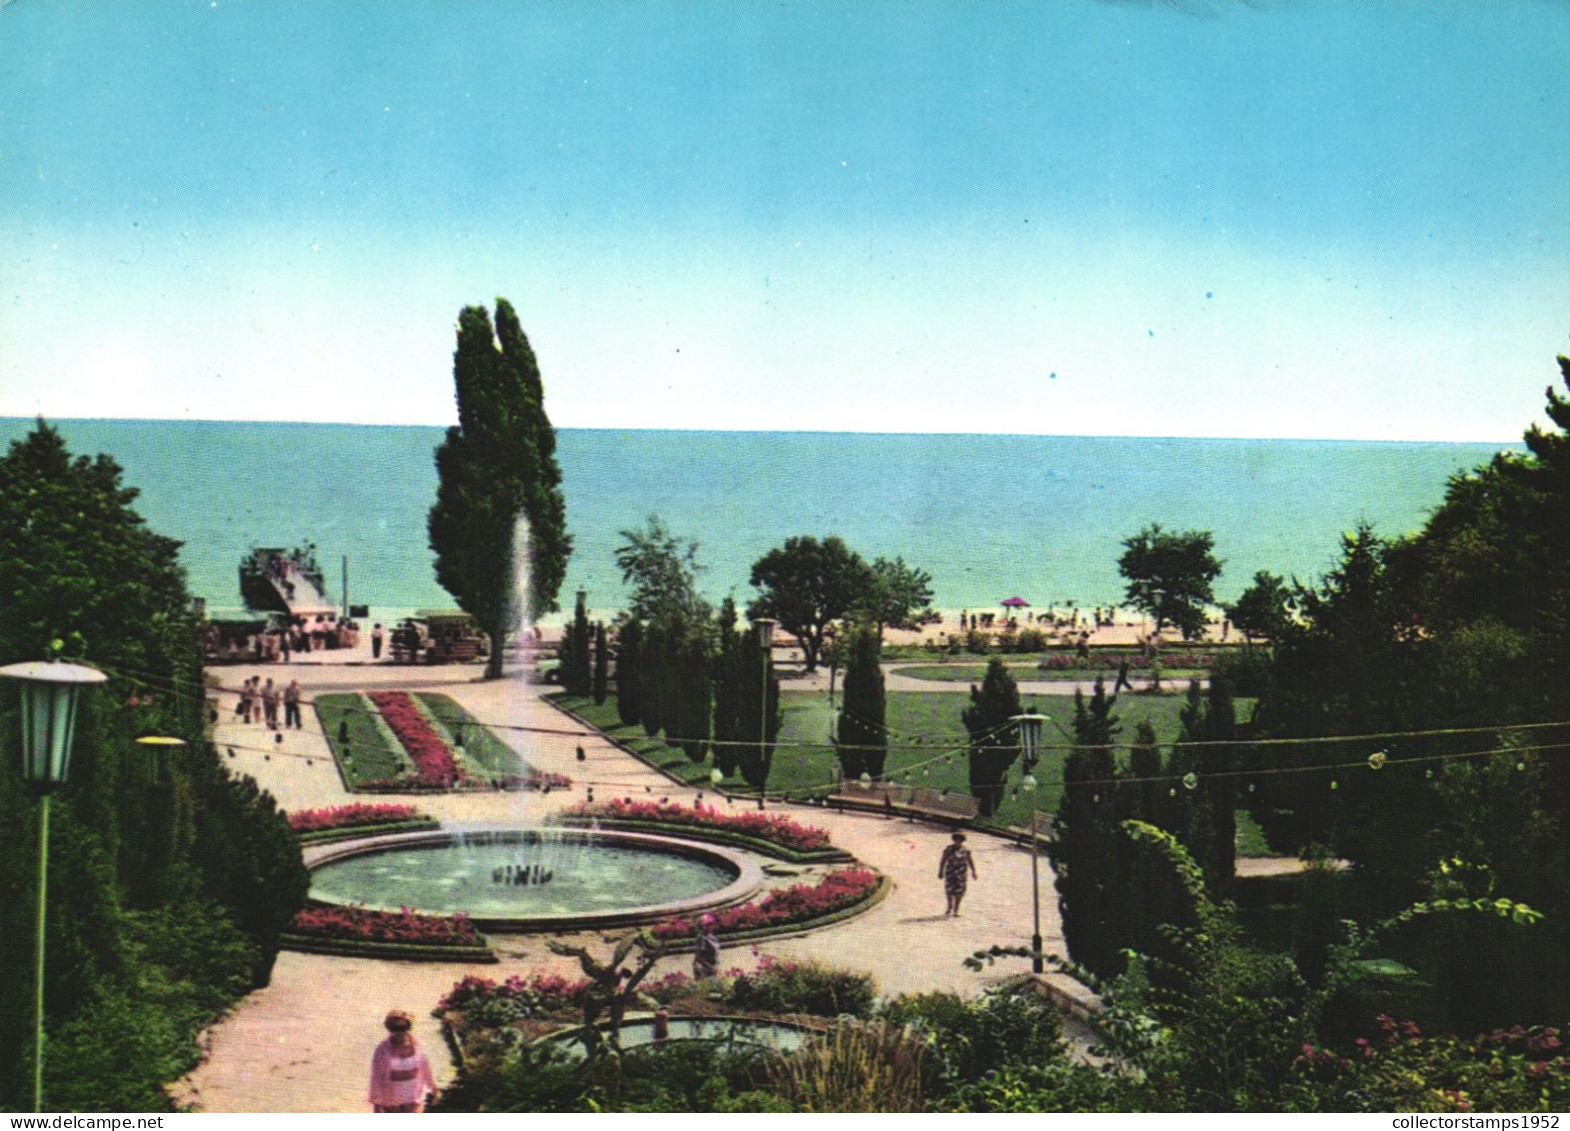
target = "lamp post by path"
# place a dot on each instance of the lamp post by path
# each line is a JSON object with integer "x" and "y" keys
{"x": 1030, "y": 744}
{"x": 50, "y": 694}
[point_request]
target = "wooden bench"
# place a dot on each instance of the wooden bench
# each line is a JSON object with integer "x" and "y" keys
{"x": 1042, "y": 825}
{"x": 889, "y": 798}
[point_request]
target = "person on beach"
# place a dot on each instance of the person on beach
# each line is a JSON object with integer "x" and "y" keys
{"x": 401, "y": 1078}
{"x": 955, "y": 869}
{"x": 376, "y": 642}
{"x": 706, "y": 955}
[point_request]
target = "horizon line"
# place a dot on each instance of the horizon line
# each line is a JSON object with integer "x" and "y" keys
{"x": 1517, "y": 441}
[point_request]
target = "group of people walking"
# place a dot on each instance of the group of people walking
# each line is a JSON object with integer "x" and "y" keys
{"x": 259, "y": 702}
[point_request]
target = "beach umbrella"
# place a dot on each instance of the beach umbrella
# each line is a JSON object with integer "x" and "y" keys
{"x": 1015, "y": 603}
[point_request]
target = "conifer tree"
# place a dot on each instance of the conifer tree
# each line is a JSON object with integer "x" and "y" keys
{"x": 1085, "y": 850}
{"x": 695, "y": 693}
{"x": 651, "y": 655}
{"x": 861, "y": 740}
{"x": 602, "y": 664}
{"x": 994, "y": 741}
{"x": 497, "y": 467}
{"x": 629, "y": 661}
{"x": 759, "y": 719}
{"x": 727, "y": 691}
{"x": 577, "y": 675}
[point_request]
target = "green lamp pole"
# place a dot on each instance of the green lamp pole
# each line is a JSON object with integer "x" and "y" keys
{"x": 50, "y": 693}
{"x": 1030, "y": 744}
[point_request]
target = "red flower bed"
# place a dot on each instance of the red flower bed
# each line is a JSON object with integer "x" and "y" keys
{"x": 798, "y": 903}
{"x": 432, "y": 760}
{"x": 349, "y": 816}
{"x": 764, "y": 826}
{"x": 357, "y": 924}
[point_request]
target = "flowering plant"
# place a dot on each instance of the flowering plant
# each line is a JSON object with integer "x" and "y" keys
{"x": 772, "y": 827}
{"x": 432, "y": 759}
{"x": 798, "y": 903}
{"x": 349, "y": 816}
{"x": 359, "y": 924}
{"x": 489, "y": 1003}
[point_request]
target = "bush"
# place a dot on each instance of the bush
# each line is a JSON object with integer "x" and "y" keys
{"x": 798, "y": 903}
{"x": 771, "y": 827}
{"x": 790, "y": 986}
{"x": 488, "y": 1004}
{"x": 1056, "y": 1086}
{"x": 1013, "y": 1023}
{"x": 358, "y": 924}
{"x": 350, "y": 816}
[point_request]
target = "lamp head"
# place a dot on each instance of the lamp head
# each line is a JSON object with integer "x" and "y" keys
{"x": 50, "y": 693}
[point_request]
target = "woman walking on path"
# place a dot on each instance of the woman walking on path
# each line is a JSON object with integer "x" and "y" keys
{"x": 955, "y": 869}
{"x": 400, "y": 1074}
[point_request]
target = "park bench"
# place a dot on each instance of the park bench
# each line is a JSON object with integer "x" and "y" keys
{"x": 887, "y": 797}
{"x": 1043, "y": 825}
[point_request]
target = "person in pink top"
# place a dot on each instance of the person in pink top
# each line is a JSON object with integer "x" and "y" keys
{"x": 400, "y": 1075}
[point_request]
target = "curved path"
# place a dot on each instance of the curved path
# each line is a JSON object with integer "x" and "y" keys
{"x": 304, "y": 1042}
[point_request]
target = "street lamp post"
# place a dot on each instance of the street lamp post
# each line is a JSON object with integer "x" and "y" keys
{"x": 49, "y": 699}
{"x": 1030, "y": 743}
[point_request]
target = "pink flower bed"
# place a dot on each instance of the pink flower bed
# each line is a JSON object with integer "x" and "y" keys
{"x": 357, "y": 924}
{"x": 546, "y": 993}
{"x": 349, "y": 816}
{"x": 771, "y": 827}
{"x": 782, "y": 906}
{"x": 432, "y": 760}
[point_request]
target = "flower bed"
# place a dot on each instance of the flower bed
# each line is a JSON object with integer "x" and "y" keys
{"x": 351, "y": 816}
{"x": 782, "y": 907}
{"x": 433, "y": 762}
{"x": 487, "y": 1003}
{"x": 358, "y": 924}
{"x": 770, "y": 827}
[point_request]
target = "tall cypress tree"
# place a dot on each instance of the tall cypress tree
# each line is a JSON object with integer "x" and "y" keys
{"x": 994, "y": 741}
{"x": 602, "y": 664}
{"x": 760, "y": 701}
{"x": 577, "y": 674}
{"x": 695, "y": 691}
{"x": 495, "y": 468}
{"x": 651, "y": 655}
{"x": 1085, "y": 850}
{"x": 629, "y": 677}
{"x": 861, "y": 739}
{"x": 727, "y": 691}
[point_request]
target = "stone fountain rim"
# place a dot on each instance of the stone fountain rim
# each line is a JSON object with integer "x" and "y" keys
{"x": 748, "y": 874}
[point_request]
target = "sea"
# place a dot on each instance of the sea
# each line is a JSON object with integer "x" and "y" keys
{"x": 990, "y": 517}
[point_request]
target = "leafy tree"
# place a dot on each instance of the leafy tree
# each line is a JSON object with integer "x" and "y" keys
{"x": 807, "y": 585}
{"x": 629, "y": 701}
{"x": 1263, "y": 609}
{"x": 661, "y": 569}
{"x": 861, "y": 739}
{"x": 495, "y": 468}
{"x": 897, "y": 596}
{"x": 994, "y": 741}
{"x": 602, "y": 664}
{"x": 1169, "y": 576}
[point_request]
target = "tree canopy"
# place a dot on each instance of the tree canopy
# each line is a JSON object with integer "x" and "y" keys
{"x": 897, "y": 596}
{"x": 807, "y": 585}
{"x": 1169, "y": 576}
{"x": 498, "y": 467}
{"x": 662, "y": 571}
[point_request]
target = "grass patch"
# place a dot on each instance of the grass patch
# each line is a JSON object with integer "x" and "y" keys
{"x": 1024, "y": 671}
{"x": 364, "y": 752}
{"x": 1250, "y": 837}
{"x": 480, "y": 746}
{"x": 933, "y": 717}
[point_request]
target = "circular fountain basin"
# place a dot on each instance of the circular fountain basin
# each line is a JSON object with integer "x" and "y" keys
{"x": 638, "y": 1032}
{"x": 558, "y": 879}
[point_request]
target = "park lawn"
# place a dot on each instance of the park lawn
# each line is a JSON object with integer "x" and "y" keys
{"x": 479, "y": 744}
{"x": 1026, "y": 671}
{"x": 667, "y": 759}
{"x": 369, "y": 754}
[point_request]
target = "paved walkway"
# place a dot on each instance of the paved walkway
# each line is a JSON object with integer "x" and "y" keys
{"x": 304, "y": 1042}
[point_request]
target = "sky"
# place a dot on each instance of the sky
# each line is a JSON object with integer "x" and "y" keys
{"x": 1332, "y": 219}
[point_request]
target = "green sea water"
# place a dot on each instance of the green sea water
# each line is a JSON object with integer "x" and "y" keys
{"x": 989, "y": 517}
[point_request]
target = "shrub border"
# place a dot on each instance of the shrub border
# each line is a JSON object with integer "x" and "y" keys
{"x": 800, "y": 927}
{"x": 350, "y": 832}
{"x": 367, "y": 948}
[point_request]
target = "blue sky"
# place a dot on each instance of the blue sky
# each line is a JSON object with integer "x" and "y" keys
{"x": 1209, "y": 217}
